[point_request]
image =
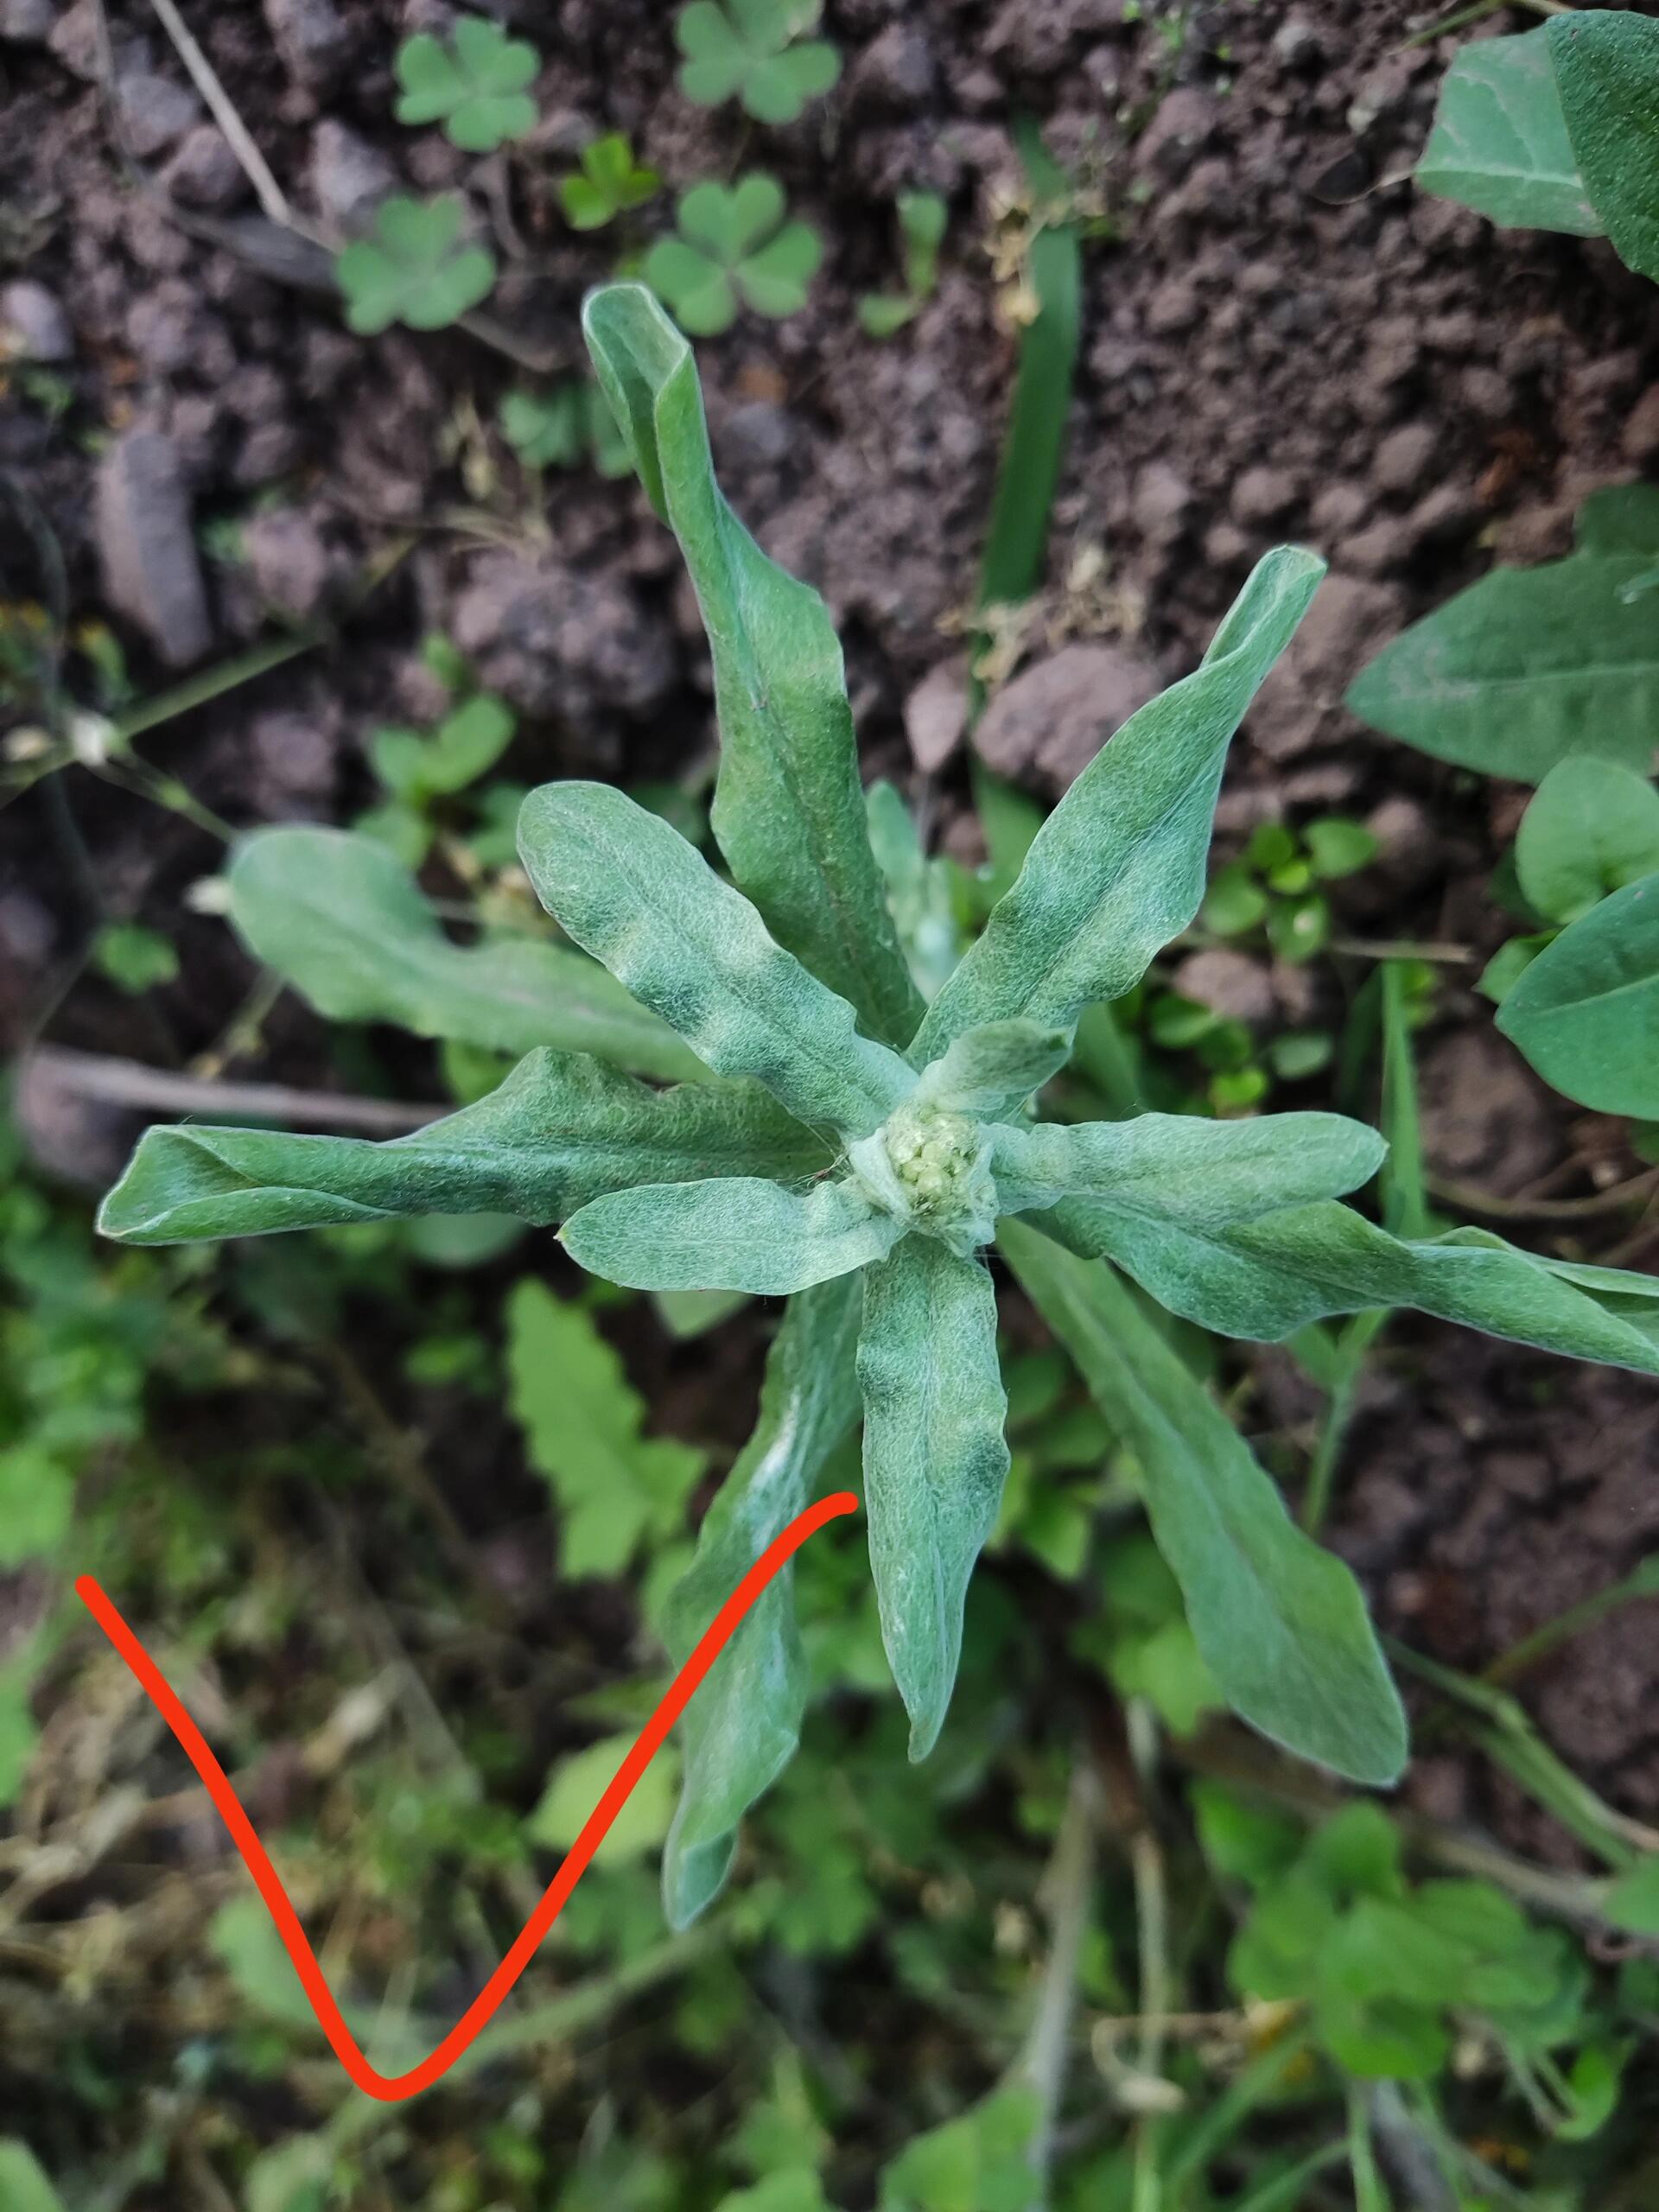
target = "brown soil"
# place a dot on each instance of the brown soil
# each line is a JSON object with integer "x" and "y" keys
{"x": 1286, "y": 342}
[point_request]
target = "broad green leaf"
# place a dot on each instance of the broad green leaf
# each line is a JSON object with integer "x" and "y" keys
{"x": 935, "y": 1459}
{"x": 23, "y": 2186}
{"x": 578, "y": 1782}
{"x": 560, "y": 1131}
{"x": 1607, "y": 68}
{"x": 741, "y": 1728}
{"x": 1620, "y": 519}
{"x": 1526, "y": 668}
{"x": 1500, "y": 142}
{"x": 1280, "y": 1623}
{"x": 788, "y": 810}
{"x": 582, "y": 1420}
{"x": 1586, "y": 1011}
{"x": 981, "y": 2162}
{"x": 37, "y": 1504}
{"x": 1179, "y": 1167}
{"x": 742, "y": 1234}
{"x": 1268, "y": 1278}
{"x": 344, "y": 922}
{"x": 1118, "y": 868}
{"x": 1592, "y": 828}
{"x": 990, "y": 1071}
{"x": 628, "y": 887}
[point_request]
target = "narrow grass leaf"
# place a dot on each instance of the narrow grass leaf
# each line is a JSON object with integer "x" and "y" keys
{"x": 341, "y": 919}
{"x": 1281, "y": 1624}
{"x": 1118, "y": 868}
{"x": 788, "y": 810}
{"x": 742, "y": 1234}
{"x": 935, "y": 1459}
{"x": 740, "y": 1730}
{"x": 628, "y": 887}
{"x": 561, "y": 1131}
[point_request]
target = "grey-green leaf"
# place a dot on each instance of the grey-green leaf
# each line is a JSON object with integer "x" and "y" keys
{"x": 1500, "y": 141}
{"x": 1526, "y": 668}
{"x": 935, "y": 1460}
{"x": 1592, "y": 829}
{"x": 1586, "y": 1011}
{"x": 1266, "y": 1279}
{"x": 1179, "y": 1168}
{"x": 742, "y": 1234}
{"x": 1118, "y": 868}
{"x": 628, "y": 887}
{"x": 1281, "y": 1624}
{"x": 560, "y": 1131}
{"x": 788, "y": 810}
{"x": 990, "y": 1071}
{"x": 1607, "y": 68}
{"x": 341, "y": 918}
{"x": 740, "y": 1730}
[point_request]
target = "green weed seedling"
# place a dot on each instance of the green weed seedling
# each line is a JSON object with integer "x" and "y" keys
{"x": 611, "y": 182}
{"x": 1274, "y": 885}
{"x": 562, "y": 428}
{"x": 922, "y": 219}
{"x": 419, "y": 773}
{"x": 832, "y": 1137}
{"x": 734, "y": 248}
{"x": 416, "y": 268}
{"x": 755, "y": 52}
{"x": 1550, "y": 676}
{"x": 472, "y": 83}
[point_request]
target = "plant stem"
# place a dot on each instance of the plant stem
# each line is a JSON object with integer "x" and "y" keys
{"x": 1642, "y": 1581}
{"x": 1068, "y": 1882}
{"x": 1353, "y": 1344}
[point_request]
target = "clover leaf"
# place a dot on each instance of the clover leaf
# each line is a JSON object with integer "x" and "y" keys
{"x": 611, "y": 182}
{"x": 472, "y": 83}
{"x": 733, "y": 247}
{"x": 415, "y": 269}
{"x": 747, "y": 50}
{"x": 564, "y": 426}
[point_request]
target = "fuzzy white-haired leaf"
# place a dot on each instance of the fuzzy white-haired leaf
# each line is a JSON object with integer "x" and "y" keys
{"x": 561, "y": 1131}
{"x": 628, "y": 887}
{"x": 788, "y": 810}
{"x": 1281, "y": 1624}
{"x": 1267, "y": 1278}
{"x": 1118, "y": 868}
{"x": 989, "y": 1070}
{"x": 1179, "y": 1167}
{"x": 742, "y": 1234}
{"x": 741, "y": 1728}
{"x": 341, "y": 919}
{"x": 934, "y": 1458}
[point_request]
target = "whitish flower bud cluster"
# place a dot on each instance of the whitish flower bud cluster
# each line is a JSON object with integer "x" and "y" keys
{"x": 932, "y": 1168}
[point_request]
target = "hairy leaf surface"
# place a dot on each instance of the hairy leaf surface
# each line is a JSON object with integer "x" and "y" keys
{"x": 989, "y": 1072}
{"x": 1281, "y": 1624}
{"x": 562, "y": 1129}
{"x": 1118, "y": 868}
{"x": 1266, "y": 1279}
{"x": 341, "y": 918}
{"x": 1607, "y": 68}
{"x": 1179, "y": 1168}
{"x": 741, "y": 1728}
{"x": 743, "y": 1234}
{"x": 629, "y": 887}
{"x": 935, "y": 1459}
{"x": 788, "y": 812}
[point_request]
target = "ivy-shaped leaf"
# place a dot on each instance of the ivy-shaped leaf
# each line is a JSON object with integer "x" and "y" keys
{"x": 1500, "y": 142}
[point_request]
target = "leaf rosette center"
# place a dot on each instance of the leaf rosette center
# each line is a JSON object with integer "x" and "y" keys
{"x": 932, "y": 1168}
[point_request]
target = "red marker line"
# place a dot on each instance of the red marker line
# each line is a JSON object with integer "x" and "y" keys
{"x": 394, "y": 2087}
